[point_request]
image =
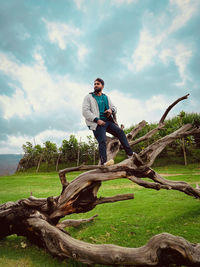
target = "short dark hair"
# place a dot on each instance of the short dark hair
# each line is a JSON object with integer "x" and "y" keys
{"x": 99, "y": 80}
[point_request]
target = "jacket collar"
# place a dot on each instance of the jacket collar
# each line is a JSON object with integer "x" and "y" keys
{"x": 91, "y": 93}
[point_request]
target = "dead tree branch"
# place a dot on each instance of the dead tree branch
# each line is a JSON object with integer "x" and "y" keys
{"x": 38, "y": 218}
{"x": 113, "y": 144}
{"x": 74, "y": 223}
{"x": 150, "y": 153}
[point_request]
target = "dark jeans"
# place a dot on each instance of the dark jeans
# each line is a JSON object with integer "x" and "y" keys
{"x": 100, "y": 135}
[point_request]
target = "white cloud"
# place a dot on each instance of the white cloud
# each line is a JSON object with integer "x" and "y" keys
{"x": 157, "y": 103}
{"x": 15, "y": 105}
{"x": 64, "y": 35}
{"x": 181, "y": 55}
{"x": 82, "y": 52}
{"x": 50, "y": 135}
{"x": 57, "y": 136}
{"x": 185, "y": 10}
{"x": 40, "y": 91}
{"x": 132, "y": 111}
{"x": 37, "y": 55}
{"x": 146, "y": 50}
{"x": 61, "y": 34}
{"x": 50, "y": 97}
{"x": 80, "y": 4}
{"x": 152, "y": 47}
{"x": 181, "y": 59}
{"x": 39, "y": 58}
{"x": 13, "y": 144}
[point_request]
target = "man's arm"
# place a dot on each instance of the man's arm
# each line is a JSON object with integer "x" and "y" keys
{"x": 108, "y": 112}
{"x": 86, "y": 111}
{"x": 112, "y": 106}
{"x": 99, "y": 121}
{"x": 113, "y": 111}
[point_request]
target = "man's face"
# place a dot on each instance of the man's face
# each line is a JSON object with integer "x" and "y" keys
{"x": 98, "y": 87}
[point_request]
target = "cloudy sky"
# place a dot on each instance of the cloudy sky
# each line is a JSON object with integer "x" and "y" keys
{"x": 148, "y": 53}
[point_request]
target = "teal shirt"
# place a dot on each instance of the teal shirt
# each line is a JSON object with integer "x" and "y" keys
{"x": 102, "y": 102}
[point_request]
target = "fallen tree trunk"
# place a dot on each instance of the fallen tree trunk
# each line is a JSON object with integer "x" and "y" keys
{"x": 161, "y": 250}
{"x": 38, "y": 218}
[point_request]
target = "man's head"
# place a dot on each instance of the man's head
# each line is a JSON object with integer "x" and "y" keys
{"x": 98, "y": 85}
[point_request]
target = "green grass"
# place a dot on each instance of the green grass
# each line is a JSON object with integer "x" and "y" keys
{"x": 128, "y": 223}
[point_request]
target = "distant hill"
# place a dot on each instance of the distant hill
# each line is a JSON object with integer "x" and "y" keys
{"x": 8, "y": 163}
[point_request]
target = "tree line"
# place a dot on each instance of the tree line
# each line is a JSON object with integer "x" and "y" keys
{"x": 73, "y": 152}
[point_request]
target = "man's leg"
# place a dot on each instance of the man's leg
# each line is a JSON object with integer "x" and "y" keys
{"x": 119, "y": 133}
{"x": 100, "y": 135}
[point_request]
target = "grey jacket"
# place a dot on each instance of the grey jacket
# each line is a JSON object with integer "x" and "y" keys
{"x": 90, "y": 110}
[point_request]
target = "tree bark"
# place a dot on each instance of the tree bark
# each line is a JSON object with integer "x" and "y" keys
{"x": 184, "y": 151}
{"x": 39, "y": 162}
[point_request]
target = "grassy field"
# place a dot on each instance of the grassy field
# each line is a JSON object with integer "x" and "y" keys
{"x": 128, "y": 223}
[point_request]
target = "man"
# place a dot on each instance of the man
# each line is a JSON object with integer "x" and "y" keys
{"x": 98, "y": 111}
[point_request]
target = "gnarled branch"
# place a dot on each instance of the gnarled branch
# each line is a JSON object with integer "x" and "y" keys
{"x": 113, "y": 144}
{"x": 38, "y": 218}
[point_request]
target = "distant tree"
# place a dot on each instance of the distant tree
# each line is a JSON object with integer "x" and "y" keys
{"x": 28, "y": 149}
{"x": 39, "y": 154}
{"x": 84, "y": 152}
{"x": 92, "y": 149}
{"x": 38, "y": 149}
{"x": 69, "y": 148}
{"x": 50, "y": 152}
{"x": 29, "y": 157}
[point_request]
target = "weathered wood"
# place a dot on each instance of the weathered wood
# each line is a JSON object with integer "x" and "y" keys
{"x": 116, "y": 198}
{"x": 113, "y": 144}
{"x": 161, "y": 250}
{"x": 38, "y": 218}
{"x": 74, "y": 223}
{"x": 150, "y": 153}
{"x": 156, "y": 186}
{"x": 160, "y": 124}
{"x": 171, "y": 106}
{"x": 136, "y": 130}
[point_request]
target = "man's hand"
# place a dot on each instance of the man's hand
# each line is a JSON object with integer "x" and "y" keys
{"x": 108, "y": 112}
{"x": 101, "y": 123}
